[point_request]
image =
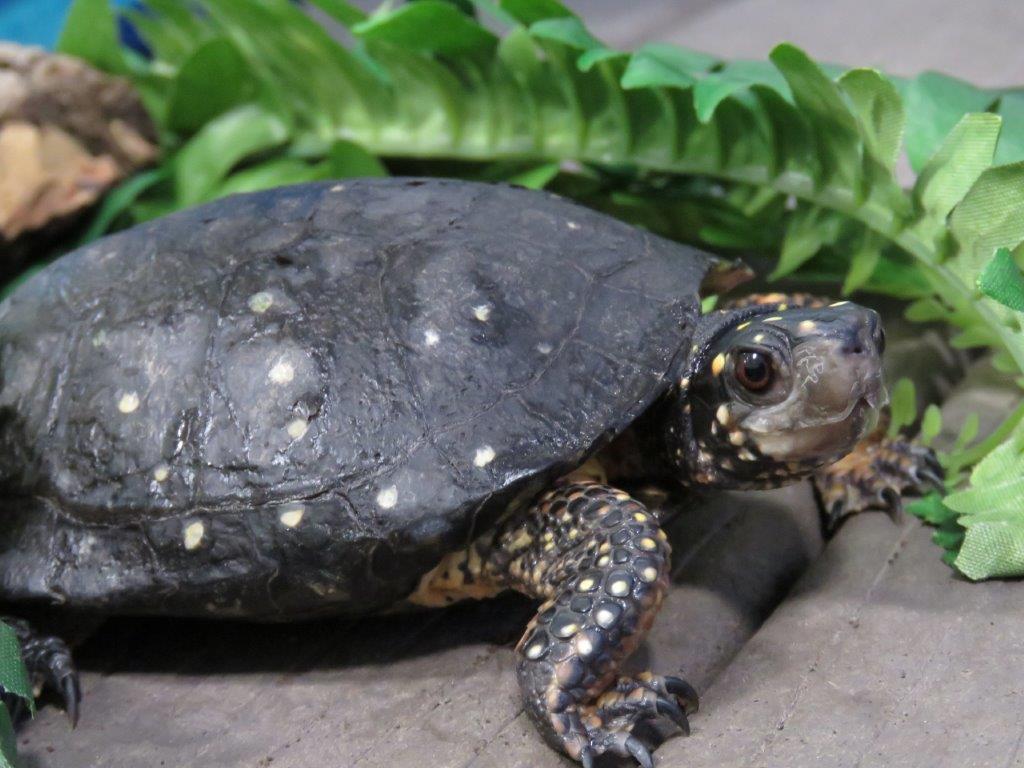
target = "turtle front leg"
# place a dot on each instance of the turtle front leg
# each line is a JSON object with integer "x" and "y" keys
{"x": 875, "y": 475}
{"x": 601, "y": 562}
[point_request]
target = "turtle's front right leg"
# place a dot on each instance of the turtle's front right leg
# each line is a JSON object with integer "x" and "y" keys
{"x": 50, "y": 665}
{"x": 601, "y": 562}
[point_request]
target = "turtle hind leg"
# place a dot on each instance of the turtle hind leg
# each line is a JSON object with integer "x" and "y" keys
{"x": 50, "y": 666}
{"x": 875, "y": 475}
{"x": 601, "y": 563}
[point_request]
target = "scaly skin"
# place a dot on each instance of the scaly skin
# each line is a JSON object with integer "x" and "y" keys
{"x": 876, "y": 473}
{"x": 601, "y": 562}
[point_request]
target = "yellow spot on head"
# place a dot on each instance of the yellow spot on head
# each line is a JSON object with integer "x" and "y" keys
{"x": 838, "y": 303}
{"x": 484, "y": 455}
{"x": 759, "y": 338}
{"x": 128, "y": 403}
{"x": 281, "y": 373}
{"x": 723, "y": 415}
{"x": 194, "y": 534}
{"x": 718, "y": 364}
{"x": 807, "y": 325}
{"x": 741, "y": 326}
{"x": 572, "y": 225}
{"x": 772, "y": 318}
{"x": 482, "y": 312}
{"x": 782, "y": 307}
{"x": 431, "y": 337}
{"x": 388, "y": 497}
{"x": 297, "y": 428}
{"x": 291, "y": 515}
{"x": 684, "y": 382}
{"x": 161, "y": 472}
{"x": 261, "y": 302}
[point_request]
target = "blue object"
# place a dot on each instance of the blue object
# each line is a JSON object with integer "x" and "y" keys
{"x": 32, "y": 22}
{"x": 38, "y": 22}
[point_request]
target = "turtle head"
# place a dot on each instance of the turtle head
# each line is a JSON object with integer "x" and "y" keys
{"x": 769, "y": 397}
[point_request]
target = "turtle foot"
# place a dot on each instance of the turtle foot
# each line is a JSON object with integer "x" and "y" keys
{"x": 876, "y": 475}
{"x": 607, "y": 725}
{"x": 50, "y": 667}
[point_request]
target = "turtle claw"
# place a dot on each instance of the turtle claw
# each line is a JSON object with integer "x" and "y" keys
{"x": 71, "y": 694}
{"x": 875, "y": 475}
{"x": 50, "y": 666}
{"x": 675, "y": 713}
{"x": 640, "y": 753}
{"x": 683, "y": 691}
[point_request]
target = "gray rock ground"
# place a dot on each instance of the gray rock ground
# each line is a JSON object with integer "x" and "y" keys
{"x": 880, "y": 656}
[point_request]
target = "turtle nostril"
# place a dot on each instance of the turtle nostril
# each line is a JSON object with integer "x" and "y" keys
{"x": 880, "y": 340}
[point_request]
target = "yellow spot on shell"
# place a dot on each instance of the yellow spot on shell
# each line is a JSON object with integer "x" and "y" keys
{"x": 718, "y": 364}
{"x": 586, "y": 585}
{"x": 291, "y": 515}
{"x": 736, "y": 437}
{"x": 603, "y": 561}
{"x": 297, "y": 428}
{"x": 684, "y": 382}
{"x": 807, "y": 325}
{"x": 281, "y": 373}
{"x": 648, "y": 544}
{"x": 782, "y": 307}
{"x": 161, "y": 472}
{"x": 194, "y": 534}
{"x": 128, "y": 403}
{"x": 649, "y": 574}
{"x": 534, "y": 651}
{"x": 640, "y": 517}
{"x": 484, "y": 455}
{"x": 388, "y": 497}
{"x": 261, "y": 302}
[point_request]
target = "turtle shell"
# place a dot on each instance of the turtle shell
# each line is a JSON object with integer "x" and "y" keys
{"x": 296, "y": 401}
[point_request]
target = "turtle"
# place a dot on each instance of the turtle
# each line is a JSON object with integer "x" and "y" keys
{"x": 349, "y": 397}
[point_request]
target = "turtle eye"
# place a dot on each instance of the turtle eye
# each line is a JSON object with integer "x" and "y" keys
{"x": 753, "y": 370}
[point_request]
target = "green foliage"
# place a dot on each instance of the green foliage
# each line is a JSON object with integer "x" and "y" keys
{"x": 780, "y": 156}
{"x": 14, "y": 681}
{"x": 902, "y": 406}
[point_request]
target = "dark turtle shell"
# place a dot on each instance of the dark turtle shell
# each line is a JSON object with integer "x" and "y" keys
{"x": 296, "y": 401}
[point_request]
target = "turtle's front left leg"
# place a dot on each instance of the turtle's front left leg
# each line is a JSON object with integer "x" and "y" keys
{"x": 601, "y": 563}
